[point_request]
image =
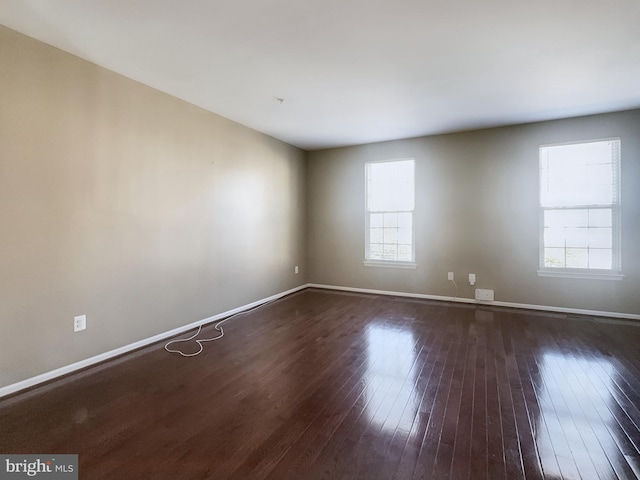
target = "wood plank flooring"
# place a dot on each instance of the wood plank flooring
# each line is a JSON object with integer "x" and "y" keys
{"x": 331, "y": 385}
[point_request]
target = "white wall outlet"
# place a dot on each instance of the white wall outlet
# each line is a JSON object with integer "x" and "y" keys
{"x": 295, "y": 269}
{"x": 484, "y": 294}
{"x": 472, "y": 279}
{"x": 79, "y": 323}
{"x": 450, "y": 276}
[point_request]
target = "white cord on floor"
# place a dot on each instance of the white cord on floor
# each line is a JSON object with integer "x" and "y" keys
{"x": 217, "y": 326}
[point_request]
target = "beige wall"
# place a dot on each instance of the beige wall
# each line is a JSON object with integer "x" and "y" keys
{"x": 128, "y": 205}
{"x": 476, "y": 212}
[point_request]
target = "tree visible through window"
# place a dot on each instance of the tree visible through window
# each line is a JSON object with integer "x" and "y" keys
{"x": 580, "y": 207}
{"x": 390, "y": 203}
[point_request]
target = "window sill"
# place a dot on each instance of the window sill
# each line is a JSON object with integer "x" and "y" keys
{"x": 389, "y": 264}
{"x": 580, "y": 275}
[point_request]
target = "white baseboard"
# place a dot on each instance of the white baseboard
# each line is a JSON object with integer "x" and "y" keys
{"x": 30, "y": 382}
{"x": 578, "y": 311}
{"x": 44, "y": 377}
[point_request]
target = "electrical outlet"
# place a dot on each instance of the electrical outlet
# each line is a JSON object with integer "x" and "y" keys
{"x": 450, "y": 276}
{"x": 484, "y": 294}
{"x": 295, "y": 270}
{"x": 472, "y": 279}
{"x": 79, "y": 323}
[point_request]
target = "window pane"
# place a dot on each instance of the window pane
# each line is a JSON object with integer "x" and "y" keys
{"x": 576, "y": 218}
{"x": 586, "y": 246}
{"x": 577, "y": 237}
{"x": 376, "y": 220}
{"x": 376, "y": 236}
{"x": 405, "y": 220}
{"x": 390, "y": 235}
{"x": 554, "y": 218}
{"x": 600, "y": 217}
{"x": 375, "y": 252}
{"x": 599, "y": 195}
{"x": 390, "y": 219}
{"x": 597, "y": 152}
{"x": 601, "y": 174}
{"x": 600, "y": 238}
{"x": 600, "y": 258}
{"x": 578, "y": 174}
{"x": 390, "y": 252}
{"x": 390, "y": 186}
{"x": 577, "y": 258}
{"x": 554, "y": 237}
{"x": 569, "y": 190}
{"x": 405, "y": 253}
{"x": 566, "y": 218}
{"x": 554, "y": 257}
{"x": 404, "y": 236}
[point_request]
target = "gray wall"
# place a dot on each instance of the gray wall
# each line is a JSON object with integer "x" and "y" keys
{"x": 476, "y": 212}
{"x": 128, "y": 205}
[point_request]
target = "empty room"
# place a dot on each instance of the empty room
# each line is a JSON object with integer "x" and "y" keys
{"x": 319, "y": 240}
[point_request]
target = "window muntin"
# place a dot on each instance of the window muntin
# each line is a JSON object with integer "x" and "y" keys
{"x": 580, "y": 207}
{"x": 389, "y": 205}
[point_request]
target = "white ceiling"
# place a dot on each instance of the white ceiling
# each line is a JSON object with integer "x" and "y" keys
{"x": 359, "y": 71}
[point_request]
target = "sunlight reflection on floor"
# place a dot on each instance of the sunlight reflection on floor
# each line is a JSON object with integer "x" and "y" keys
{"x": 392, "y": 399}
{"x": 575, "y": 419}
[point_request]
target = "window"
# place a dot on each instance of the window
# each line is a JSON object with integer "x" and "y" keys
{"x": 389, "y": 218}
{"x": 580, "y": 209}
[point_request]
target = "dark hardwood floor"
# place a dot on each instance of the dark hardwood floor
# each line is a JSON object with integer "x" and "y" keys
{"x": 323, "y": 385}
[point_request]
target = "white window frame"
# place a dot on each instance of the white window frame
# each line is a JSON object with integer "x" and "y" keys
{"x": 615, "y": 273}
{"x": 373, "y": 262}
